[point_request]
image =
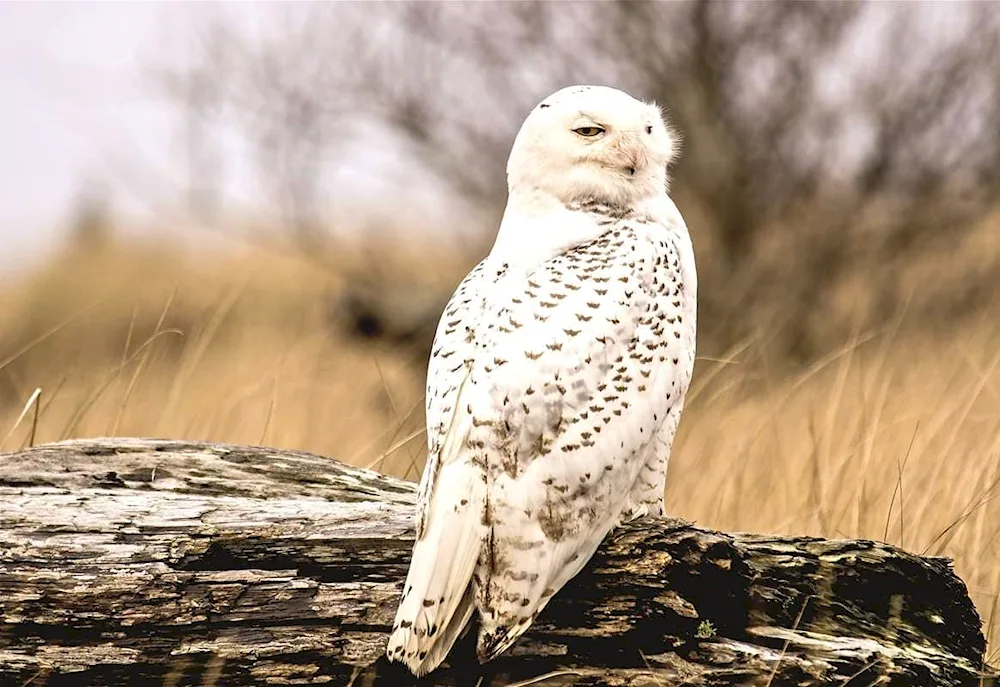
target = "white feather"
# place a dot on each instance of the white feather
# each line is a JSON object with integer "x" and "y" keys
{"x": 556, "y": 379}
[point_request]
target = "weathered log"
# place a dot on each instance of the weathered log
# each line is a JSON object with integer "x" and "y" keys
{"x": 134, "y": 561}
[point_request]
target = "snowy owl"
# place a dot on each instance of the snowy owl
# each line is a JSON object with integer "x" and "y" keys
{"x": 557, "y": 376}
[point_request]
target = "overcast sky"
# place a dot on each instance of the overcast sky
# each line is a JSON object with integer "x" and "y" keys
{"x": 80, "y": 102}
{"x": 70, "y": 79}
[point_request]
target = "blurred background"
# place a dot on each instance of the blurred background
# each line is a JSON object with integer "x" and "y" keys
{"x": 240, "y": 222}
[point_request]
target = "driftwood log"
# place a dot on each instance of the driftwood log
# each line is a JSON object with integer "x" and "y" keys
{"x": 141, "y": 562}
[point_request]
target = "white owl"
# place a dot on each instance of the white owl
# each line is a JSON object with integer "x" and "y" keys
{"x": 556, "y": 379}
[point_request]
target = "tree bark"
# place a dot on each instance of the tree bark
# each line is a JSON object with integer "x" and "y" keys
{"x": 137, "y": 561}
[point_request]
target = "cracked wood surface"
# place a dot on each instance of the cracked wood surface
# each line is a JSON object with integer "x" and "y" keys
{"x": 137, "y": 561}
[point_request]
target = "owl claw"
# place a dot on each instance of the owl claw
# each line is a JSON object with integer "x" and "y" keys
{"x": 633, "y": 513}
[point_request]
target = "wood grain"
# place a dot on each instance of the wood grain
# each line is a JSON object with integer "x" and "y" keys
{"x": 139, "y": 561}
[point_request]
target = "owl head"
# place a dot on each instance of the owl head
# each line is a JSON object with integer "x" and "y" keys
{"x": 592, "y": 143}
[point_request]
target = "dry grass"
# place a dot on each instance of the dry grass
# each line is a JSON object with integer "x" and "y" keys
{"x": 892, "y": 438}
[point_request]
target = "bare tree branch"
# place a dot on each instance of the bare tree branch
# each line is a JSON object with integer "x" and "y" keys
{"x": 778, "y": 113}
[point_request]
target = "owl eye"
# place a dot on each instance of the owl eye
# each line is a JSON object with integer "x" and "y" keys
{"x": 589, "y": 131}
{"x": 649, "y": 129}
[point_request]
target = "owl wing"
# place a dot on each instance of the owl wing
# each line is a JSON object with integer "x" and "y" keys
{"x": 437, "y": 599}
{"x": 580, "y": 368}
{"x": 545, "y": 389}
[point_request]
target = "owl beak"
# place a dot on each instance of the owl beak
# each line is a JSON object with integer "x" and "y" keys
{"x": 633, "y": 154}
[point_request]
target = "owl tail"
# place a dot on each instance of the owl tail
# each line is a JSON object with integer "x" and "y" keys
{"x": 515, "y": 603}
{"x": 438, "y": 599}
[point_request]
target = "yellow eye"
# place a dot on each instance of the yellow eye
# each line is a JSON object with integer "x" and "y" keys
{"x": 589, "y": 131}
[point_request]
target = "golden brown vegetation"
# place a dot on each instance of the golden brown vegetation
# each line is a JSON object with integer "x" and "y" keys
{"x": 893, "y": 437}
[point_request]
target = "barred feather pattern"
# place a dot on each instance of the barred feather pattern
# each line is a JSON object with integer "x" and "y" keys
{"x": 555, "y": 388}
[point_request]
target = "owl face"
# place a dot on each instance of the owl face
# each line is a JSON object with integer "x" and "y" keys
{"x": 595, "y": 143}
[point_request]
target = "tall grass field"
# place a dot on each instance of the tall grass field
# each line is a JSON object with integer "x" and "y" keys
{"x": 893, "y": 436}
